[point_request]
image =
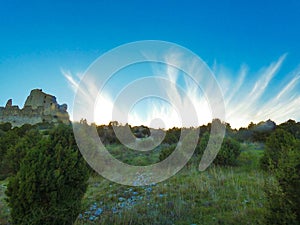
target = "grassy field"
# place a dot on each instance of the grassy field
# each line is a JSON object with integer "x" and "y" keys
{"x": 231, "y": 195}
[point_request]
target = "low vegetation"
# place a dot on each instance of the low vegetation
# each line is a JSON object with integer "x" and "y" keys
{"x": 253, "y": 180}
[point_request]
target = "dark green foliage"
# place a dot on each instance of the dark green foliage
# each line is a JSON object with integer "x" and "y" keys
{"x": 21, "y": 131}
{"x": 16, "y": 153}
{"x": 44, "y": 126}
{"x": 263, "y": 130}
{"x": 165, "y": 152}
{"x": 284, "y": 196}
{"x": 279, "y": 208}
{"x": 244, "y": 135}
{"x": 5, "y": 127}
{"x": 13, "y": 145}
{"x": 260, "y": 136}
{"x": 276, "y": 145}
{"x": 48, "y": 187}
{"x": 227, "y": 155}
{"x": 7, "y": 141}
{"x": 282, "y": 159}
{"x": 288, "y": 176}
{"x": 292, "y": 127}
{"x": 255, "y": 132}
{"x": 108, "y": 136}
{"x": 172, "y": 136}
{"x": 202, "y": 144}
{"x": 51, "y": 181}
{"x": 140, "y": 131}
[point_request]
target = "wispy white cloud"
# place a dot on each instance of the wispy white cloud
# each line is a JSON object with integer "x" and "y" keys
{"x": 71, "y": 80}
{"x": 233, "y": 88}
{"x": 290, "y": 86}
{"x": 247, "y": 105}
{"x": 250, "y": 107}
{"x": 242, "y": 96}
{"x": 86, "y": 88}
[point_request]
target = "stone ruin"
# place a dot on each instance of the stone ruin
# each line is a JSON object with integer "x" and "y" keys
{"x": 39, "y": 107}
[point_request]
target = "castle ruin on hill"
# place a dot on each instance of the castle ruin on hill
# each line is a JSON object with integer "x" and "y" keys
{"x": 39, "y": 107}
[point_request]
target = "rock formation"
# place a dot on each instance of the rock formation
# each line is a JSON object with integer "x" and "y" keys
{"x": 264, "y": 126}
{"x": 39, "y": 107}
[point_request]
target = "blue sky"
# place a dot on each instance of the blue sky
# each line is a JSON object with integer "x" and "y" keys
{"x": 40, "y": 39}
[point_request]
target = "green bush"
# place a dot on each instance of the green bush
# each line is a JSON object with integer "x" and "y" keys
{"x": 16, "y": 153}
{"x": 8, "y": 141}
{"x": 284, "y": 196}
{"x": 279, "y": 210}
{"x": 166, "y": 151}
{"x": 292, "y": 127}
{"x": 282, "y": 159}
{"x": 51, "y": 182}
{"x": 277, "y": 145}
{"x": 5, "y": 126}
{"x": 172, "y": 136}
{"x": 13, "y": 146}
{"x": 227, "y": 155}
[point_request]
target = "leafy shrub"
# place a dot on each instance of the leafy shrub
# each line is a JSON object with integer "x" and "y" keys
{"x": 282, "y": 159}
{"x": 50, "y": 183}
{"x": 172, "y": 136}
{"x": 227, "y": 155}
{"x": 9, "y": 140}
{"x": 284, "y": 196}
{"x": 292, "y": 127}
{"x": 5, "y": 127}
{"x": 277, "y": 144}
{"x": 16, "y": 153}
{"x": 166, "y": 151}
{"x": 278, "y": 208}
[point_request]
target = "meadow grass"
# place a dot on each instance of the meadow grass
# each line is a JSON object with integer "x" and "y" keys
{"x": 219, "y": 195}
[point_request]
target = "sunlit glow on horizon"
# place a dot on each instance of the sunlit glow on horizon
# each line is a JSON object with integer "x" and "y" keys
{"x": 245, "y": 99}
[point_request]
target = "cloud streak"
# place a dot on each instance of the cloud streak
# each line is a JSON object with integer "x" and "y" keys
{"x": 253, "y": 107}
{"x": 245, "y": 99}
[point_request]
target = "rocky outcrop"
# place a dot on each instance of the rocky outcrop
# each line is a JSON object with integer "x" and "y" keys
{"x": 264, "y": 126}
{"x": 39, "y": 107}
